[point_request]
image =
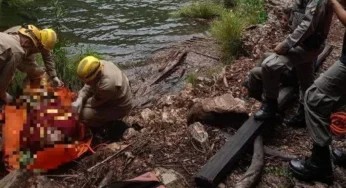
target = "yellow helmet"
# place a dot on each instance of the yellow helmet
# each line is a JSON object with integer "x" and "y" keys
{"x": 48, "y": 38}
{"x": 88, "y": 68}
{"x": 45, "y": 38}
{"x": 33, "y": 33}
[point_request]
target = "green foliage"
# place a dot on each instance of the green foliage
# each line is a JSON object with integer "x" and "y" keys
{"x": 66, "y": 67}
{"x": 253, "y": 11}
{"x": 228, "y": 31}
{"x": 229, "y": 27}
{"x": 204, "y": 9}
{"x": 191, "y": 78}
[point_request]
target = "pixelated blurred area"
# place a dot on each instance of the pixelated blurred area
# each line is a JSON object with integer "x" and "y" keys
{"x": 40, "y": 120}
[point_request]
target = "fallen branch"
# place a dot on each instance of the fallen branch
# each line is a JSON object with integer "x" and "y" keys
{"x": 179, "y": 57}
{"x": 272, "y": 151}
{"x": 106, "y": 180}
{"x": 277, "y": 153}
{"x": 253, "y": 174}
{"x": 108, "y": 158}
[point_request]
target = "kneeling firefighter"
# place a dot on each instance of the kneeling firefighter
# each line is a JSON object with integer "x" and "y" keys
{"x": 106, "y": 95}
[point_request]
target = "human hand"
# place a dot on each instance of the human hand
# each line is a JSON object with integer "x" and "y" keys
{"x": 76, "y": 105}
{"x": 281, "y": 48}
{"x": 56, "y": 82}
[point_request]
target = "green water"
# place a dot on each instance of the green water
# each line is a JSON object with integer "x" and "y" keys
{"x": 121, "y": 30}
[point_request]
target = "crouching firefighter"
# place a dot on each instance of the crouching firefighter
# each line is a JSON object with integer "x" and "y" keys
{"x": 325, "y": 96}
{"x": 297, "y": 52}
{"x": 18, "y": 48}
{"x": 106, "y": 95}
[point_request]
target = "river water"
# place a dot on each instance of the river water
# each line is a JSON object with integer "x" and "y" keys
{"x": 121, "y": 30}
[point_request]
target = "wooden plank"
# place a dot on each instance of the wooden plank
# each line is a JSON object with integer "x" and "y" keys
{"x": 219, "y": 165}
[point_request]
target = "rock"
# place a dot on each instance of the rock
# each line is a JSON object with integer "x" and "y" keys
{"x": 130, "y": 133}
{"x": 199, "y": 136}
{"x": 15, "y": 179}
{"x": 222, "y": 109}
{"x": 114, "y": 146}
{"x": 147, "y": 114}
{"x": 169, "y": 177}
{"x": 221, "y": 185}
{"x": 42, "y": 182}
{"x": 167, "y": 100}
{"x": 19, "y": 178}
{"x": 165, "y": 117}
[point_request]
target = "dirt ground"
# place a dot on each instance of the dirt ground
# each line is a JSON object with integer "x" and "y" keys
{"x": 163, "y": 140}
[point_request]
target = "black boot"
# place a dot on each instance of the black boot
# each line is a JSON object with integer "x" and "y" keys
{"x": 339, "y": 157}
{"x": 268, "y": 110}
{"x": 298, "y": 120}
{"x": 318, "y": 167}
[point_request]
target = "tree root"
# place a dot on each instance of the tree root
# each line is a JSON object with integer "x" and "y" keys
{"x": 277, "y": 153}
{"x": 253, "y": 174}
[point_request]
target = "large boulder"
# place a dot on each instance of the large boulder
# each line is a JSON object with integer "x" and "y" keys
{"x": 223, "y": 109}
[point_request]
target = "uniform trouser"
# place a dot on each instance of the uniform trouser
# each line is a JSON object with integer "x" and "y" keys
{"x": 96, "y": 117}
{"x": 254, "y": 82}
{"x": 275, "y": 65}
{"x": 325, "y": 96}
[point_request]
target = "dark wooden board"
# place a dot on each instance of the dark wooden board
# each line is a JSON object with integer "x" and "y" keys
{"x": 220, "y": 164}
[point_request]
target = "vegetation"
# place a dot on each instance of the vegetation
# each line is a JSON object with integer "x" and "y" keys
{"x": 192, "y": 78}
{"x": 229, "y": 26}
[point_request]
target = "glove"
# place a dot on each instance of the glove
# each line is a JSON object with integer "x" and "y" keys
{"x": 281, "y": 48}
{"x": 8, "y": 98}
{"x": 56, "y": 82}
{"x": 76, "y": 105}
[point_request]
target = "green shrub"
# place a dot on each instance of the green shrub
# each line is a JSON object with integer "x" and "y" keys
{"x": 205, "y": 10}
{"x": 228, "y": 31}
{"x": 229, "y": 27}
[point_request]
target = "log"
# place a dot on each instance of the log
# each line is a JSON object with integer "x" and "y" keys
{"x": 277, "y": 153}
{"x": 270, "y": 151}
{"x": 253, "y": 174}
{"x": 220, "y": 164}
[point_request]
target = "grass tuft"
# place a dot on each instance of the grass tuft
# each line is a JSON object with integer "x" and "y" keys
{"x": 228, "y": 29}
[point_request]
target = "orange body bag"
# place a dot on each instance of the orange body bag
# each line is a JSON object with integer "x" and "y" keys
{"x": 42, "y": 135}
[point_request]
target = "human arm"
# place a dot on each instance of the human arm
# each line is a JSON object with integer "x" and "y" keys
{"x": 49, "y": 63}
{"x": 83, "y": 95}
{"x": 313, "y": 14}
{"x": 103, "y": 94}
{"x": 339, "y": 10}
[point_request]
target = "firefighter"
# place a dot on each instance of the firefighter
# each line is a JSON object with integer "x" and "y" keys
{"x": 18, "y": 48}
{"x": 325, "y": 96}
{"x": 106, "y": 95}
{"x": 311, "y": 23}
